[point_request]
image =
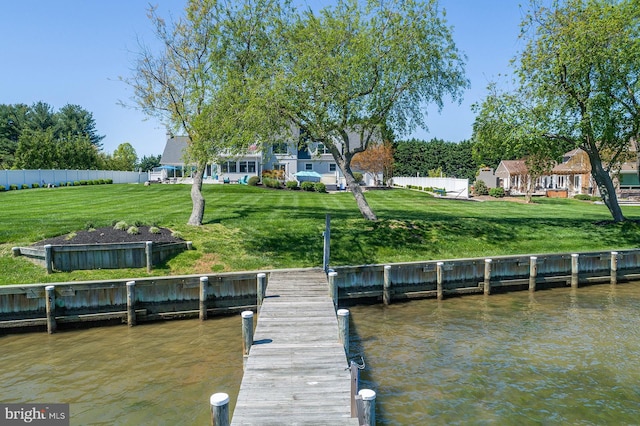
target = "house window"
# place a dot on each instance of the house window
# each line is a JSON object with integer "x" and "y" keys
{"x": 332, "y": 167}
{"x": 243, "y": 166}
{"x": 251, "y": 166}
{"x": 280, "y": 148}
{"x": 321, "y": 149}
{"x": 229, "y": 167}
{"x": 308, "y": 166}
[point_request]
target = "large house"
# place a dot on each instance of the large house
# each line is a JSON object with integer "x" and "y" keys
{"x": 568, "y": 178}
{"x": 312, "y": 162}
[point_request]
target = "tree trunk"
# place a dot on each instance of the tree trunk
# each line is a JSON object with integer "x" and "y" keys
{"x": 356, "y": 190}
{"x": 605, "y": 186}
{"x": 197, "y": 211}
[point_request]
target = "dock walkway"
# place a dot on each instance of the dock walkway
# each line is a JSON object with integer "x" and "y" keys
{"x": 296, "y": 372}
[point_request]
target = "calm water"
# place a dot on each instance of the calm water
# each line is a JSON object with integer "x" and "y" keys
{"x": 153, "y": 374}
{"x": 556, "y": 357}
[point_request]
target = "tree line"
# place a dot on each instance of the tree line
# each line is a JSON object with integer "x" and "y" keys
{"x": 38, "y": 137}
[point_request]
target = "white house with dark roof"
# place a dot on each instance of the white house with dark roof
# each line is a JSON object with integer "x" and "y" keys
{"x": 283, "y": 157}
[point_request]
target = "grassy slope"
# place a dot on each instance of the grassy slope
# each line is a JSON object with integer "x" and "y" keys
{"x": 250, "y": 228}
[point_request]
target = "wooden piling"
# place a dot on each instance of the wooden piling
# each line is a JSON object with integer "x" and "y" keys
{"x": 333, "y": 288}
{"x": 219, "y": 409}
{"x": 386, "y": 292}
{"x": 50, "y": 303}
{"x": 247, "y": 332}
{"x": 131, "y": 303}
{"x": 367, "y": 407}
{"x": 48, "y": 258}
{"x": 574, "y": 270}
{"x": 439, "y": 291}
{"x": 326, "y": 254}
{"x": 533, "y": 272}
{"x": 343, "y": 329}
{"x": 261, "y": 287}
{"x": 204, "y": 283}
{"x": 614, "y": 267}
{"x": 487, "y": 276}
{"x": 148, "y": 251}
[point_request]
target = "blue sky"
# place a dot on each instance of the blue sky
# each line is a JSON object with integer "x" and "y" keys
{"x": 73, "y": 51}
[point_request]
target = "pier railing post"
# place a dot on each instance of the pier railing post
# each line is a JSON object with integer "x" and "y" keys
{"x": 219, "y": 409}
{"x": 575, "y": 270}
{"x": 148, "y": 251}
{"x": 614, "y": 267}
{"x": 343, "y": 329}
{"x": 386, "y": 290}
{"x": 247, "y": 332}
{"x": 261, "y": 286}
{"x": 533, "y": 272}
{"x": 367, "y": 407}
{"x": 131, "y": 303}
{"x": 50, "y": 304}
{"x": 204, "y": 283}
{"x": 355, "y": 387}
{"x": 487, "y": 276}
{"x": 439, "y": 289}
{"x": 327, "y": 243}
{"x": 333, "y": 288}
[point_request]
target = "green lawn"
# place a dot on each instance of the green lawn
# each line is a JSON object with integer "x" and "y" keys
{"x": 248, "y": 228}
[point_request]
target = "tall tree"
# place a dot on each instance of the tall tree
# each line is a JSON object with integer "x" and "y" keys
{"x": 198, "y": 83}
{"x": 417, "y": 157}
{"x": 75, "y": 120}
{"x": 12, "y": 120}
{"x": 124, "y": 157}
{"x": 346, "y": 73}
{"x": 149, "y": 162}
{"x": 580, "y": 70}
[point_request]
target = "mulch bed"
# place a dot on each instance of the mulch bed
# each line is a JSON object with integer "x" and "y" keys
{"x": 109, "y": 235}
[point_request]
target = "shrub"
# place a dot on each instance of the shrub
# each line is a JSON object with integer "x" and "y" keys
{"x": 89, "y": 226}
{"x": 101, "y": 181}
{"x": 108, "y": 181}
{"x": 83, "y": 182}
{"x": 2, "y": 188}
{"x": 13, "y": 187}
{"x": 271, "y": 183}
{"x": 358, "y": 177}
{"x": 133, "y": 230}
{"x": 154, "y": 230}
{"x": 69, "y": 183}
{"x": 307, "y": 186}
{"x": 497, "y": 192}
{"x": 320, "y": 187}
{"x": 76, "y": 183}
{"x": 176, "y": 234}
{"x": 583, "y": 197}
{"x": 480, "y": 188}
{"x": 25, "y": 186}
{"x": 253, "y": 181}
{"x": 292, "y": 184}
{"x": 35, "y": 185}
{"x": 121, "y": 226}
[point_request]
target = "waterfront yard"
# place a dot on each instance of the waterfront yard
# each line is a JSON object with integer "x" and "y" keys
{"x": 249, "y": 228}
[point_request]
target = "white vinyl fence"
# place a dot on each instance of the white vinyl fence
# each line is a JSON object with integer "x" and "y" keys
{"x": 458, "y": 188}
{"x": 55, "y": 177}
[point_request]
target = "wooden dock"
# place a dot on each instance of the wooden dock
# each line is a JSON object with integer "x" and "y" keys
{"x": 296, "y": 372}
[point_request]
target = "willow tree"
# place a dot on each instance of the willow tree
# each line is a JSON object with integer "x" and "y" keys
{"x": 350, "y": 70}
{"x": 581, "y": 67}
{"x": 201, "y": 83}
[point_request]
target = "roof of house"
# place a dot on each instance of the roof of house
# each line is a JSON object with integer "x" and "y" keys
{"x": 507, "y": 168}
{"x": 174, "y": 151}
{"x": 573, "y": 162}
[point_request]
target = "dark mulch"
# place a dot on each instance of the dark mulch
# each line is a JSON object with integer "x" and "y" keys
{"x": 110, "y": 235}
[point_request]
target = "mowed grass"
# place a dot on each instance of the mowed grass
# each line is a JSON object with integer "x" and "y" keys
{"x": 250, "y": 228}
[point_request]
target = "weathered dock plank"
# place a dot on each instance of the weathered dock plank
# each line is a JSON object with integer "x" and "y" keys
{"x": 296, "y": 372}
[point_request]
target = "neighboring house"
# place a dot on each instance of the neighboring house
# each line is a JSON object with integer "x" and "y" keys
{"x": 488, "y": 176}
{"x": 570, "y": 177}
{"x": 283, "y": 156}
